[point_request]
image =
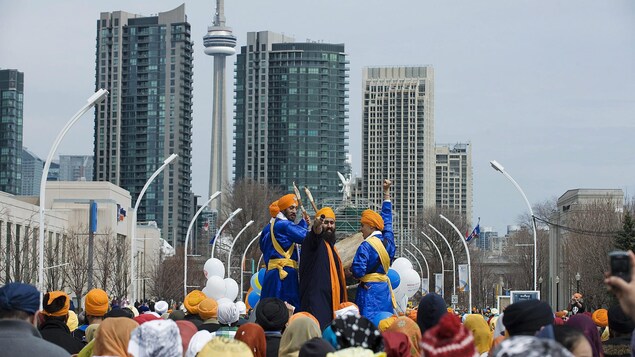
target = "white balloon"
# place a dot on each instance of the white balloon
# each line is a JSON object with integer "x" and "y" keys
{"x": 231, "y": 289}
{"x": 224, "y": 300}
{"x": 207, "y": 291}
{"x": 215, "y": 287}
{"x": 242, "y": 308}
{"x": 411, "y": 281}
{"x": 214, "y": 267}
{"x": 401, "y": 264}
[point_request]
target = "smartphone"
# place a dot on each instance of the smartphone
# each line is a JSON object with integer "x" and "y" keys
{"x": 620, "y": 265}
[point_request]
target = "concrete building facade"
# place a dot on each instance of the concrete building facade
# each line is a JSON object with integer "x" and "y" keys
{"x": 454, "y": 178}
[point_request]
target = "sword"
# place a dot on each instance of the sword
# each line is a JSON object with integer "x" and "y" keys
{"x": 297, "y": 195}
{"x": 310, "y": 196}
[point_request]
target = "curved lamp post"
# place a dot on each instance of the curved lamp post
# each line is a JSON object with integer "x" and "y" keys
{"x": 453, "y": 262}
{"x": 187, "y": 238}
{"x": 242, "y": 263}
{"x": 438, "y": 251}
{"x": 425, "y": 261}
{"x": 220, "y": 230}
{"x": 469, "y": 261}
{"x": 231, "y": 247}
{"x": 420, "y": 268}
{"x": 133, "y": 232}
{"x": 498, "y": 167}
{"x": 94, "y": 99}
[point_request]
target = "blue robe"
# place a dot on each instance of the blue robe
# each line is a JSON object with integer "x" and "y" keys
{"x": 374, "y": 297}
{"x": 287, "y": 233}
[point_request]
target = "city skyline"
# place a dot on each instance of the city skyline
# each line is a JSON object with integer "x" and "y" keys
{"x": 530, "y": 85}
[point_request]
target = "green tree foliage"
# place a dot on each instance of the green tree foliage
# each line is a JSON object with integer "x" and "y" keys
{"x": 625, "y": 239}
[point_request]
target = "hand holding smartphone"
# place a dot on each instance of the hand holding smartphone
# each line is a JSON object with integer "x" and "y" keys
{"x": 620, "y": 265}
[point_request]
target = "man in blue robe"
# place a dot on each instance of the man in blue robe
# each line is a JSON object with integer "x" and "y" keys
{"x": 373, "y": 258}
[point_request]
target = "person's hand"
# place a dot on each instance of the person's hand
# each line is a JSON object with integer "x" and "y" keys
{"x": 623, "y": 290}
{"x": 387, "y": 184}
{"x": 306, "y": 218}
{"x": 318, "y": 225}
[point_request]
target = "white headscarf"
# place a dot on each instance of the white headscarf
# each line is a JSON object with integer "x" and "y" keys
{"x": 161, "y": 307}
{"x": 156, "y": 338}
{"x": 228, "y": 314}
{"x": 198, "y": 341}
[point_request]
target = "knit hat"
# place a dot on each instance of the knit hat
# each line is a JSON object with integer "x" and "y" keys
{"x": 326, "y": 211}
{"x": 357, "y": 331}
{"x": 274, "y": 209}
{"x": 527, "y": 317}
{"x": 372, "y": 219}
{"x": 600, "y": 317}
{"x": 192, "y": 300}
{"x": 529, "y": 346}
{"x": 96, "y": 303}
{"x": 272, "y": 314}
{"x": 431, "y": 309}
{"x": 287, "y": 201}
{"x": 315, "y": 347}
{"x": 21, "y": 297}
{"x": 161, "y": 307}
{"x": 207, "y": 309}
{"x": 56, "y": 303}
{"x": 618, "y": 321}
{"x": 448, "y": 338}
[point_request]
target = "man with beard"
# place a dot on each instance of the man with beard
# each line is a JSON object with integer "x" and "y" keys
{"x": 321, "y": 293}
{"x": 280, "y": 253}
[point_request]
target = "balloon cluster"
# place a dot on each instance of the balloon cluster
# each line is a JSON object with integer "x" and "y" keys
{"x": 217, "y": 288}
{"x": 253, "y": 294}
{"x": 404, "y": 280}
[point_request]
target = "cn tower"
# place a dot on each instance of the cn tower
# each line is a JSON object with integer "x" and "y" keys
{"x": 220, "y": 43}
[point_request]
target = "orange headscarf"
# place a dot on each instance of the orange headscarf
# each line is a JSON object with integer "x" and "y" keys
{"x": 372, "y": 219}
{"x": 274, "y": 209}
{"x": 254, "y": 336}
{"x": 287, "y": 201}
{"x": 114, "y": 336}
{"x": 409, "y": 328}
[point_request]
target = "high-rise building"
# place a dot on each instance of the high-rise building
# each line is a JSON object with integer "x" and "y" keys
{"x": 11, "y": 102}
{"x": 219, "y": 42}
{"x": 32, "y": 170}
{"x": 398, "y": 139}
{"x": 76, "y": 168}
{"x": 146, "y": 64}
{"x": 291, "y": 113}
{"x": 488, "y": 239}
{"x": 454, "y": 178}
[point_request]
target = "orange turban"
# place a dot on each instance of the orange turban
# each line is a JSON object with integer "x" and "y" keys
{"x": 372, "y": 219}
{"x": 56, "y": 303}
{"x": 561, "y": 314}
{"x": 600, "y": 317}
{"x": 208, "y": 309}
{"x": 303, "y": 314}
{"x": 327, "y": 212}
{"x": 287, "y": 201}
{"x": 192, "y": 300}
{"x": 273, "y": 209}
{"x": 96, "y": 303}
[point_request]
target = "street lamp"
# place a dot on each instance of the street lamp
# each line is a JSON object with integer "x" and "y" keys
{"x": 231, "y": 247}
{"x": 469, "y": 261}
{"x": 187, "y": 238}
{"x": 425, "y": 261}
{"x": 498, "y": 167}
{"x": 94, "y": 99}
{"x": 231, "y": 216}
{"x": 540, "y": 285}
{"x": 166, "y": 162}
{"x": 439, "y": 252}
{"x": 453, "y": 265}
{"x": 242, "y": 264}
{"x": 557, "y": 293}
{"x": 577, "y": 281}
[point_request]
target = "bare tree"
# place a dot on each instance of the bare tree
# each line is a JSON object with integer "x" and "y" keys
{"x": 121, "y": 263}
{"x": 104, "y": 261}
{"x": 166, "y": 276}
{"x": 77, "y": 258}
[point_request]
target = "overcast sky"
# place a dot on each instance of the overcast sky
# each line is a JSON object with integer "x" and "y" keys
{"x": 545, "y": 87}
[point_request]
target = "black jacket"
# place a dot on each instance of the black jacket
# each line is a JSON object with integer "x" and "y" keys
{"x": 56, "y": 332}
{"x": 273, "y": 343}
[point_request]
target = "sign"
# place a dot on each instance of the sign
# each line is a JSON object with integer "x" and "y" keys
{"x": 455, "y": 299}
{"x": 503, "y": 302}
{"x": 463, "y": 278}
{"x": 425, "y": 286}
{"x": 438, "y": 284}
{"x": 522, "y": 295}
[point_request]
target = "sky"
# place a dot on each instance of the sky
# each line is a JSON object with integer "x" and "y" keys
{"x": 546, "y": 88}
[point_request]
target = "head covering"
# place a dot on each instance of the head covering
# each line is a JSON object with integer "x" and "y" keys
{"x": 396, "y": 344}
{"x": 96, "y": 303}
{"x": 228, "y": 314}
{"x": 372, "y": 219}
{"x": 274, "y": 209}
{"x": 384, "y": 324}
{"x": 499, "y": 329}
{"x": 242, "y": 308}
{"x": 56, "y": 303}
{"x": 125, "y": 312}
{"x": 494, "y": 311}
{"x": 176, "y": 315}
{"x": 303, "y": 314}
{"x": 20, "y": 297}
{"x": 300, "y": 330}
{"x": 156, "y": 338}
{"x": 161, "y": 307}
{"x": 143, "y": 309}
{"x": 492, "y": 324}
{"x": 207, "y": 309}
{"x": 354, "y": 352}
{"x": 618, "y": 321}
{"x": 315, "y": 347}
{"x": 577, "y": 296}
{"x": 223, "y": 346}
{"x": 558, "y": 321}
{"x": 527, "y": 317}
{"x": 287, "y": 201}
{"x": 272, "y": 314}
{"x": 90, "y": 332}
{"x": 197, "y": 342}
{"x": 347, "y": 308}
{"x": 448, "y": 338}
{"x": 409, "y": 328}
{"x": 329, "y": 336}
{"x": 326, "y": 211}
{"x": 357, "y": 331}
{"x": 143, "y": 318}
{"x": 186, "y": 330}
{"x": 192, "y": 300}
{"x": 254, "y": 336}
{"x": 114, "y": 336}
{"x": 586, "y": 325}
{"x": 561, "y": 314}
{"x": 529, "y": 346}
{"x": 481, "y": 332}
{"x": 72, "y": 322}
{"x": 600, "y": 317}
{"x": 431, "y": 309}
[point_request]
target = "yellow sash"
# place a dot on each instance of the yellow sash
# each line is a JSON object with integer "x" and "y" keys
{"x": 286, "y": 261}
{"x": 384, "y": 258}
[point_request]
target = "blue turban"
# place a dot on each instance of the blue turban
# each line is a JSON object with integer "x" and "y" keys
{"x": 20, "y": 296}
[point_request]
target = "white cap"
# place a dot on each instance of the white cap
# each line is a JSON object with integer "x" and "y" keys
{"x": 161, "y": 307}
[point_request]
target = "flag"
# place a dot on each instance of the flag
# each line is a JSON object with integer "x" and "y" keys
{"x": 475, "y": 232}
{"x": 93, "y": 216}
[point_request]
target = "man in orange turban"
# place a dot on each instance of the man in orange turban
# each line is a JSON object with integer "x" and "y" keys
{"x": 372, "y": 260}
{"x": 278, "y": 245}
{"x": 576, "y": 306}
{"x": 56, "y": 305}
{"x": 321, "y": 293}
